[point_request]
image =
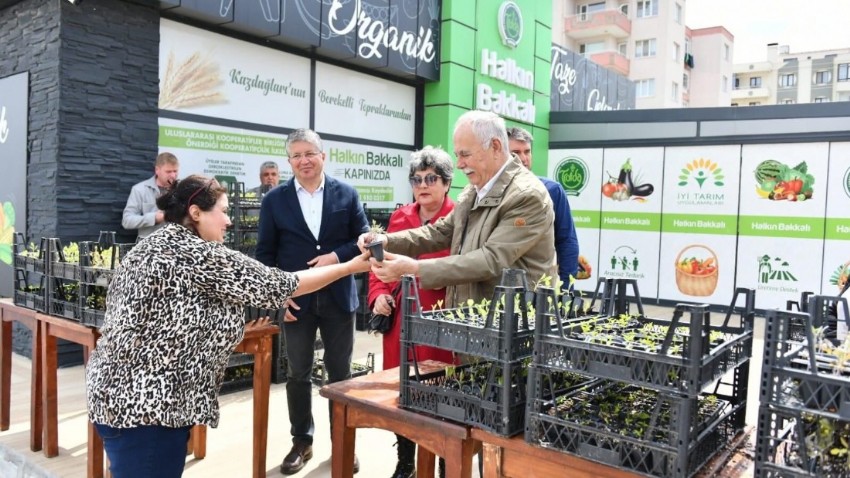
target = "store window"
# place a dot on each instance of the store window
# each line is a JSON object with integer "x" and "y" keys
{"x": 755, "y": 82}
{"x": 645, "y": 88}
{"x": 823, "y": 77}
{"x": 787, "y": 80}
{"x": 647, "y": 8}
{"x": 844, "y": 71}
{"x": 645, "y": 48}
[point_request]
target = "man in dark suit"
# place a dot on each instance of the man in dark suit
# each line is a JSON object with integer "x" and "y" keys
{"x": 312, "y": 220}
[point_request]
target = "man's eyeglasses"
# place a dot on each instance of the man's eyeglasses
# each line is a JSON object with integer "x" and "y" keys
{"x": 418, "y": 180}
{"x": 310, "y": 155}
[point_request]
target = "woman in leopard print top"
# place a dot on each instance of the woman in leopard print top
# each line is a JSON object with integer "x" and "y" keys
{"x": 174, "y": 313}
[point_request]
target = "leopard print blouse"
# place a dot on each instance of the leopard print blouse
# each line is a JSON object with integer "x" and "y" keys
{"x": 174, "y": 313}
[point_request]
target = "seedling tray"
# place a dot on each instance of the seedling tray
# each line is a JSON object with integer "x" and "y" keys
{"x": 793, "y": 443}
{"x": 475, "y": 394}
{"x": 29, "y": 264}
{"x": 30, "y": 300}
{"x": 798, "y": 375}
{"x": 673, "y": 356}
{"x": 642, "y": 432}
{"x": 500, "y": 331}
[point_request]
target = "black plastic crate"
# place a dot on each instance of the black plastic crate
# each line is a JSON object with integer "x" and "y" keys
{"x": 64, "y": 270}
{"x": 501, "y": 332}
{"x": 65, "y": 309}
{"x": 28, "y": 257}
{"x": 239, "y": 374}
{"x": 677, "y": 447}
{"x": 30, "y": 300}
{"x": 92, "y": 317}
{"x": 490, "y": 394}
{"x": 674, "y": 355}
{"x": 802, "y": 375}
{"x": 320, "y": 375}
{"x": 791, "y": 443}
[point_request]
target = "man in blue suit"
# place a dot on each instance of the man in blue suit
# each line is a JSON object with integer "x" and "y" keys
{"x": 311, "y": 221}
{"x": 566, "y": 241}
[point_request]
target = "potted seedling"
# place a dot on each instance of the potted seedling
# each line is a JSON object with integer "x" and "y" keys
{"x": 376, "y": 247}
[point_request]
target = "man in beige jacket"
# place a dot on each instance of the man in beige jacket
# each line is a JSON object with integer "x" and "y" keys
{"x": 502, "y": 219}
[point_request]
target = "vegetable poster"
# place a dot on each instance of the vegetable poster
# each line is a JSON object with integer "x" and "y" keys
{"x": 836, "y": 254}
{"x": 699, "y": 224}
{"x": 781, "y": 223}
{"x": 580, "y": 172}
{"x": 630, "y": 223}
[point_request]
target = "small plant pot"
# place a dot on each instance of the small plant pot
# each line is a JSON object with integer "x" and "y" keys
{"x": 377, "y": 250}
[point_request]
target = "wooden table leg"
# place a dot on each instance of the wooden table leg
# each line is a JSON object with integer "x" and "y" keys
{"x": 95, "y": 443}
{"x": 36, "y": 412}
{"x": 49, "y": 404}
{"x": 198, "y": 440}
{"x": 492, "y": 461}
{"x": 459, "y": 460}
{"x": 262, "y": 384}
{"x": 342, "y": 436}
{"x": 424, "y": 462}
{"x": 5, "y": 372}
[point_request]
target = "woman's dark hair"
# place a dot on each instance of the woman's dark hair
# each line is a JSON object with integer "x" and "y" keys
{"x": 195, "y": 189}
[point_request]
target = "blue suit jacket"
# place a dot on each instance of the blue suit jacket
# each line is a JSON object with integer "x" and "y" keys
{"x": 285, "y": 241}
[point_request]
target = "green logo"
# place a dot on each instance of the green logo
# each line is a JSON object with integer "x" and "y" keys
{"x": 571, "y": 174}
{"x": 701, "y": 170}
{"x": 773, "y": 270}
{"x": 510, "y": 23}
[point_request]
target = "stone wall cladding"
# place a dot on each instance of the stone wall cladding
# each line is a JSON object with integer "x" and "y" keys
{"x": 109, "y": 74}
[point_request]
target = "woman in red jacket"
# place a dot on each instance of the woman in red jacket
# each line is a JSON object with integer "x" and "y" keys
{"x": 430, "y": 175}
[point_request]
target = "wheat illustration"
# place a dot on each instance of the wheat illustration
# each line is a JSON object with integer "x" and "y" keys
{"x": 192, "y": 82}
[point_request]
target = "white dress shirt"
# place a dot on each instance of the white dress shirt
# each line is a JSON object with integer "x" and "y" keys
{"x": 311, "y": 205}
{"x": 487, "y": 187}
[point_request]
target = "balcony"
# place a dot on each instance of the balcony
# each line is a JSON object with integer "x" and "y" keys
{"x": 750, "y": 93}
{"x": 612, "y": 60}
{"x": 597, "y": 24}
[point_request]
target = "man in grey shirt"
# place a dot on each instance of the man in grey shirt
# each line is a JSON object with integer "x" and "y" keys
{"x": 141, "y": 212}
{"x": 269, "y": 178}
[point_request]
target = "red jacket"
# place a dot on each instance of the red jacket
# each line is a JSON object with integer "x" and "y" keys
{"x": 407, "y": 217}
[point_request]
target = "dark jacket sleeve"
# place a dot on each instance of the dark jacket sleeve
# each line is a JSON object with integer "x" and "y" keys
{"x": 566, "y": 241}
{"x": 267, "y": 235}
{"x": 357, "y": 225}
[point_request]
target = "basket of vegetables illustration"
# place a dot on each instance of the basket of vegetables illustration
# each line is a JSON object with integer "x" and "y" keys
{"x": 696, "y": 272}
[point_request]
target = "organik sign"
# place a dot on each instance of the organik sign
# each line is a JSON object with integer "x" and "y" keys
{"x": 402, "y": 37}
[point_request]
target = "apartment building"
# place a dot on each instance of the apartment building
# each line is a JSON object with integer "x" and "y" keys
{"x": 789, "y": 78}
{"x": 647, "y": 41}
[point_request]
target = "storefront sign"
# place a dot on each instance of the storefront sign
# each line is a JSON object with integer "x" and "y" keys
{"x": 578, "y": 84}
{"x": 400, "y": 36}
{"x": 373, "y": 32}
{"x": 510, "y": 23}
{"x": 14, "y": 111}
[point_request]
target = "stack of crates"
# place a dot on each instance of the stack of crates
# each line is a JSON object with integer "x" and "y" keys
{"x": 63, "y": 284}
{"x": 661, "y": 402}
{"x": 98, "y": 261}
{"x": 488, "y": 390}
{"x": 30, "y": 274}
{"x": 804, "y": 413}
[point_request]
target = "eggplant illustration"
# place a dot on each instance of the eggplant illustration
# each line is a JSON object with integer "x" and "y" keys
{"x": 643, "y": 190}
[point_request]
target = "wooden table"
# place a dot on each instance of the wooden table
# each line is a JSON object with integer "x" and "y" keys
{"x": 257, "y": 342}
{"x": 514, "y": 458}
{"x": 11, "y": 313}
{"x": 371, "y": 401}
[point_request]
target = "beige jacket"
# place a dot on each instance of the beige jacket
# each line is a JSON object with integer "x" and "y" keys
{"x": 511, "y": 227}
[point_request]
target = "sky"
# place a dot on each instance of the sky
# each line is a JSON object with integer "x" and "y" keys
{"x": 803, "y": 25}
